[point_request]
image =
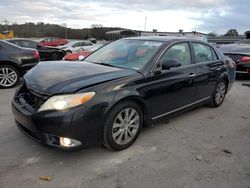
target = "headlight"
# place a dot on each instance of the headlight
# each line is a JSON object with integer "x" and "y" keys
{"x": 62, "y": 102}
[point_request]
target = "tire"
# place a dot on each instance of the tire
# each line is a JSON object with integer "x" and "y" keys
{"x": 9, "y": 76}
{"x": 123, "y": 135}
{"x": 55, "y": 56}
{"x": 219, "y": 93}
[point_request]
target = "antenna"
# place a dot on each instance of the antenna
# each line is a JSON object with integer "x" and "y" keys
{"x": 145, "y": 25}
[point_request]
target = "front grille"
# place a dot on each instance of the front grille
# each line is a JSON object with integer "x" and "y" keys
{"x": 29, "y": 99}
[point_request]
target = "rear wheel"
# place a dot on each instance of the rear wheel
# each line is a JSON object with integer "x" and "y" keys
{"x": 123, "y": 126}
{"x": 9, "y": 76}
{"x": 219, "y": 94}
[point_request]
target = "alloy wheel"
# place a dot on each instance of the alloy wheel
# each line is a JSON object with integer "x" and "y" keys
{"x": 125, "y": 126}
{"x": 8, "y": 77}
{"x": 220, "y": 93}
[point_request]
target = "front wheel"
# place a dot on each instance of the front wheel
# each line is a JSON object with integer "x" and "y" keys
{"x": 219, "y": 94}
{"x": 9, "y": 76}
{"x": 123, "y": 126}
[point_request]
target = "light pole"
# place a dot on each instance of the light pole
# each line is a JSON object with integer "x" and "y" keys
{"x": 66, "y": 32}
{"x": 145, "y": 24}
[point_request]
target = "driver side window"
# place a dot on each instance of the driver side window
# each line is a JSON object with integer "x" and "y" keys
{"x": 179, "y": 53}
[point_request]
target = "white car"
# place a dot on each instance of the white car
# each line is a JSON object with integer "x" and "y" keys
{"x": 74, "y": 46}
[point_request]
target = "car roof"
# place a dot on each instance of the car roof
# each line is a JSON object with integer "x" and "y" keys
{"x": 76, "y": 41}
{"x": 5, "y": 42}
{"x": 165, "y": 38}
{"x": 20, "y": 39}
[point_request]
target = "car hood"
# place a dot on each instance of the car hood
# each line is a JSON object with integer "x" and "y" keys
{"x": 66, "y": 77}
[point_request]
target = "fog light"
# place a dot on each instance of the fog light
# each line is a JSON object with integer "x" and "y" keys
{"x": 68, "y": 142}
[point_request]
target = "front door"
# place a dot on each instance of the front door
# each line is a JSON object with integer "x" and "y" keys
{"x": 173, "y": 89}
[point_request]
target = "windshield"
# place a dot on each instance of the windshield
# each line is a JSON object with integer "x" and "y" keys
{"x": 95, "y": 47}
{"x": 132, "y": 54}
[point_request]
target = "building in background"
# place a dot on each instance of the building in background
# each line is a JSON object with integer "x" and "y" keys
{"x": 118, "y": 34}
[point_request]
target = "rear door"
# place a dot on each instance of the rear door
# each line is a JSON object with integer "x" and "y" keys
{"x": 208, "y": 69}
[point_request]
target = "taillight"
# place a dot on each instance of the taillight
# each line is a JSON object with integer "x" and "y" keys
{"x": 36, "y": 55}
{"x": 245, "y": 59}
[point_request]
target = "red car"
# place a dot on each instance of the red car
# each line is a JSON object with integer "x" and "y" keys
{"x": 82, "y": 54}
{"x": 52, "y": 41}
{"x": 76, "y": 56}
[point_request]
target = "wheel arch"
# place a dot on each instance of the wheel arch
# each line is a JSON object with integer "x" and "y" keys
{"x": 13, "y": 64}
{"x": 225, "y": 77}
{"x": 138, "y": 100}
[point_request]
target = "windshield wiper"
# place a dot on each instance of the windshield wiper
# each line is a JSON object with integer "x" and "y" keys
{"x": 106, "y": 64}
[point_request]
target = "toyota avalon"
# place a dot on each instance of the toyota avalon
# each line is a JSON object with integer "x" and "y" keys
{"x": 127, "y": 84}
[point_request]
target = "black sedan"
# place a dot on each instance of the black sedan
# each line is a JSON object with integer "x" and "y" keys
{"x": 118, "y": 89}
{"x": 46, "y": 53}
{"x": 14, "y": 63}
{"x": 240, "y": 53}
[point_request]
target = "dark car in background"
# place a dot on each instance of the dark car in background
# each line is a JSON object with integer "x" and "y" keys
{"x": 45, "y": 52}
{"x": 118, "y": 89}
{"x": 14, "y": 63}
{"x": 240, "y": 53}
{"x": 52, "y": 41}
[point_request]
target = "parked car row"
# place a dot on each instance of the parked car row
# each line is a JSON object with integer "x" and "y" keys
{"x": 121, "y": 87}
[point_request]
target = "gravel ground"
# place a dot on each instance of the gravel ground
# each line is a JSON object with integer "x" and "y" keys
{"x": 205, "y": 147}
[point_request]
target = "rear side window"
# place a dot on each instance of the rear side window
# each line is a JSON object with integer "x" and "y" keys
{"x": 87, "y": 44}
{"x": 203, "y": 53}
{"x": 28, "y": 44}
{"x": 78, "y": 44}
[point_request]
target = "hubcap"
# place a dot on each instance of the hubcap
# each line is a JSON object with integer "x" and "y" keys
{"x": 125, "y": 126}
{"x": 8, "y": 77}
{"x": 220, "y": 93}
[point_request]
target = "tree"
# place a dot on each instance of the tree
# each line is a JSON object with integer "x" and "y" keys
{"x": 212, "y": 34}
{"x": 232, "y": 32}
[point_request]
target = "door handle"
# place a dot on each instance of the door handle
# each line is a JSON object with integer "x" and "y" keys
{"x": 191, "y": 75}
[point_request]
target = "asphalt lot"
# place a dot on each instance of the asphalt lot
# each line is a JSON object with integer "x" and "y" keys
{"x": 205, "y": 147}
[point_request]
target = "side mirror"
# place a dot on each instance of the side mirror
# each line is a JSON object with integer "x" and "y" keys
{"x": 170, "y": 64}
{"x": 81, "y": 57}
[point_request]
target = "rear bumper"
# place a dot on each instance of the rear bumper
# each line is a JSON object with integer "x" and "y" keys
{"x": 243, "y": 68}
{"x": 26, "y": 67}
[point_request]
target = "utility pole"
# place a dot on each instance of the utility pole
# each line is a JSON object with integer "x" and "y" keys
{"x": 145, "y": 25}
{"x": 66, "y": 31}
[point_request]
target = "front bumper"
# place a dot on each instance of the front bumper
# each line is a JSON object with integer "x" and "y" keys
{"x": 79, "y": 123}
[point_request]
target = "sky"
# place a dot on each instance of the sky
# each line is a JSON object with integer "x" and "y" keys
{"x": 164, "y": 15}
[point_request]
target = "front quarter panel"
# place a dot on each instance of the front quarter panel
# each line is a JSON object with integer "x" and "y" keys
{"x": 113, "y": 92}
